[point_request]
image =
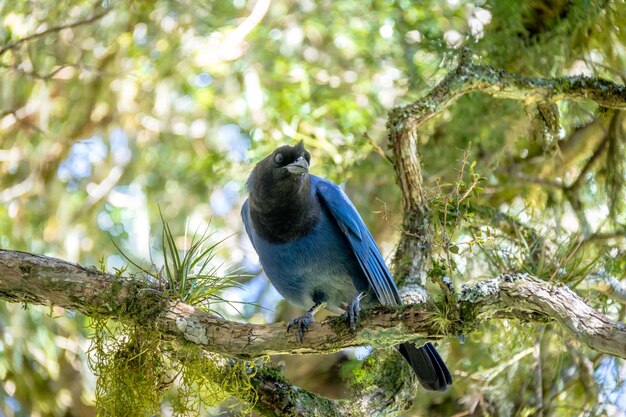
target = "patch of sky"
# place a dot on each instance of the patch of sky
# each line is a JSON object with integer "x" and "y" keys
{"x": 82, "y": 156}
{"x": 202, "y": 80}
{"x": 610, "y": 374}
{"x": 223, "y": 199}
{"x": 231, "y": 139}
{"x": 118, "y": 141}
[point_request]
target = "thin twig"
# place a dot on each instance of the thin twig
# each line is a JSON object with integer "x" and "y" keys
{"x": 90, "y": 19}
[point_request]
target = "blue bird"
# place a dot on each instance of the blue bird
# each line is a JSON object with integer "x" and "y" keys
{"x": 318, "y": 253}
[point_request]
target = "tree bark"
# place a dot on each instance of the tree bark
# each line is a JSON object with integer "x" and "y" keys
{"x": 36, "y": 279}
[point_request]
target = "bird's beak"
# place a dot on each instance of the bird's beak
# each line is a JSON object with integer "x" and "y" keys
{"x": 299, "y": 167}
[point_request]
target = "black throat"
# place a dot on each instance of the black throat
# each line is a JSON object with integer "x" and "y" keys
{"x": 284, "y": 213}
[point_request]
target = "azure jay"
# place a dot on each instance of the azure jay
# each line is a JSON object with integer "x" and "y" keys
{"x": 318, "y": 253}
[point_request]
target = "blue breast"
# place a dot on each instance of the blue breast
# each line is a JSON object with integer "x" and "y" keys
{"x": 317, "y": 267}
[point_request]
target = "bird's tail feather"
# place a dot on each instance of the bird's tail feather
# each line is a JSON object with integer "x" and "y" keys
{"x": 430, "y": 369}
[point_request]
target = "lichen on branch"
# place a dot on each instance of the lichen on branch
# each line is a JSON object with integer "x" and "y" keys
{"x": 43, "y": 280}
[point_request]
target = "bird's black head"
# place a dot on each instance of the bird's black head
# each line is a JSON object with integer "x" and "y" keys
{"x": 281, "y": 204}
{"x": 284, "y": 169}
{"x": 289, "y": 161}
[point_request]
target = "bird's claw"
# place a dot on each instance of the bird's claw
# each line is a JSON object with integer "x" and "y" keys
{"x": 302, "y": 323}
{"x": 352, "y": 315}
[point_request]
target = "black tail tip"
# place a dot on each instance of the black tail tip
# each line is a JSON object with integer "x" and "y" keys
{"x": 430, "y": 369}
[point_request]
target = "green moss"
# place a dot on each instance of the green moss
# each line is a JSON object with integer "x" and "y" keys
{"x": 131, "y": 373}
{"x": 382, "y": 368}
{"x": 137, "y": 372}
{"x": 441, "y": 317}
{"x": 208, "y": 379}
{"x": 468, "y": 319}
{"x": 402, "y": 263}
{"x": 281, "y": 398}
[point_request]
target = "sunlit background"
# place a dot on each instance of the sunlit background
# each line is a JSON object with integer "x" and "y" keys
{"x": 119, "y": 108}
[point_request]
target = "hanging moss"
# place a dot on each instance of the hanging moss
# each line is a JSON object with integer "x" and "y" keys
{"x": 130, "y": 369}
{"x": 138, "y": 372}
{"x": 209, "y": 379}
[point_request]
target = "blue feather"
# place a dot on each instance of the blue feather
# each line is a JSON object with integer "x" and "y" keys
{"x": 360, "y": 240}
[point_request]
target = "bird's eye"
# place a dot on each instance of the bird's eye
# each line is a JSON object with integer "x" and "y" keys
{"x": 279, "y": 158}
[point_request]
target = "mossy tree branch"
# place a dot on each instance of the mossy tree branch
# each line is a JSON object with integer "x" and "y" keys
{"x": 35, "y": 279}
{"x": 390, "y": 391}
{"x": 43, "y": 280}
{"x": 48, "y": 281}
{"x": 404, "y": 122}
{"x": 414, "y": 249}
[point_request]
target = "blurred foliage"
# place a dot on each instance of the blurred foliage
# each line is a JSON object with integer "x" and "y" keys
{"x": 115, "y": 108}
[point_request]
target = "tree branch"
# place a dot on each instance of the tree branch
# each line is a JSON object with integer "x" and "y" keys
{"x": 89, "y": 19}
{"x": 521, "y": 296}
{"x": 404, "y": 122}
{"x": 43, "y": 280}
{"x": 36, "y": 279}
{"x": 414, "y": 249}
{"x": 387, "y": 396}
{"x": 468, "y": 77}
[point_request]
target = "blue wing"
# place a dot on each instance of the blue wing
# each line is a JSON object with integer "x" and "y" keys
{"x": 360, "y": 239}
{"x": 245, "y": 216}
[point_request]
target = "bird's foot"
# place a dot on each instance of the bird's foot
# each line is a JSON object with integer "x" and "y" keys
{"x": 352, "y": 315}
{"x": 302, "y": 324}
